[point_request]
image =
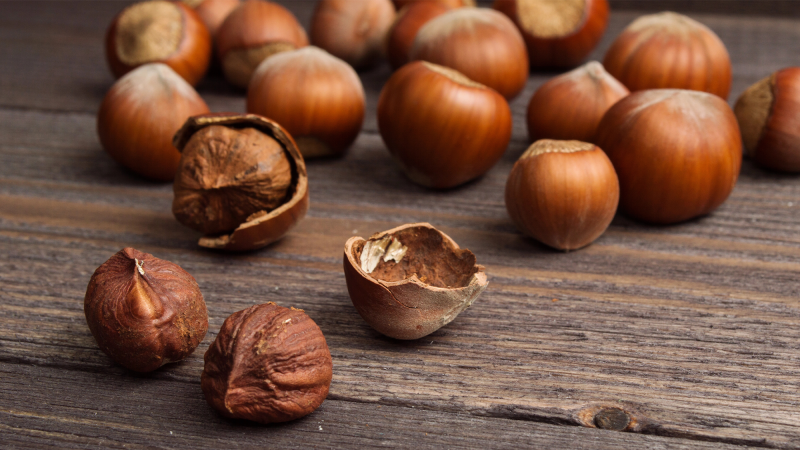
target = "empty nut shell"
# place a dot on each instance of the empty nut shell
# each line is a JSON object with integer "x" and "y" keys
{"x": 410, "y": 281}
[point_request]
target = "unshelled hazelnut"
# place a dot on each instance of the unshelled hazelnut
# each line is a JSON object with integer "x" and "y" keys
{"x": 481, "y": 43}
{"x": 404, "y": 29}
{"x": 315, "y": 96}
{"x": 399, "y": 4}
{"x": 677, "y": 153}
{"x": 558, "y": 33}
{"x": 670, "y": 50}
{"x": 254, "y": 31}
{"x": 139, "y": 116}
{"x": 159, "y": 31}
{"x": 354, "y": 31}
{"x": 143, "y": 311}
{"x": 442, "y": 128}
{"x": 562, "y": 193}
{"x": 213, "y": 12}
{"x": 410, "y": 281}
{"x": 571, "y": 105}
{"x": 769, "y": 117}
{"x": 268, "y": 364}
{"x": 241, "y": 180}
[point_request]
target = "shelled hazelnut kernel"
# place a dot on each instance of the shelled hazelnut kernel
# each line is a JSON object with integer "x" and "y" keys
{"x": 144, "y": 311}
{"x": 315, "y": 96}
{"x": 253, "y": 32}
{"x": 769, "y": 117}
{"x": 481, "y": 43}
{"x": 562, "y": 193}
{"x": 140, "y": 114}
{"x": 670, "y": 50}
{"x": 354, "y": 31}
{"x": 442, "y": 128}
{"x": 159, "y": 31}
{"x": 557, "y": 33}
{"x": 405, "y": 27}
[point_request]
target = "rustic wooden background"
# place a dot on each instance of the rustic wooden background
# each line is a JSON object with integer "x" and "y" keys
{"x": 693, "y": 330}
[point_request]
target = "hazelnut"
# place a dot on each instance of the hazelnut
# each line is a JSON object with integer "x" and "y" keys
{"x": 399, "y": 4}
{"x": 562, "y": 193}
{"x": 268, "y": 364}
{"x": 354, "y": 31}
{"x": 139, "y": 116}
{"x": 557, "y": 33}
{"x": 769, "y": 116}
{"x": 159, "y": 31}
{"x": 442, "y": 128}
{"x": 670, "y": 50}
{"x": 143, "y": 311}
{"x": 254, "y": 31}
{"x": 571, "y": 105}
{"x": 241, "y": 180}
{"x": 410, "y": 281}
{"x": 213, "y": 12}
{"x": 677, "y": 153}
{"x": 316, "y": 97}
{"x": 481, "y": 43}
{"x": 404, "y": 29}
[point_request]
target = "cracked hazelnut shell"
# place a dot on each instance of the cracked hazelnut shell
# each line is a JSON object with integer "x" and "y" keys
{"x": 159, "y": 31}
{"x": 769, "y": 117}
{"x": 410, "y": 281}
{"x": 268, "y": 364}
{"x": 144, "y": 311}
{"x": 404, "y": 29}
{"x": 242, "y": 171}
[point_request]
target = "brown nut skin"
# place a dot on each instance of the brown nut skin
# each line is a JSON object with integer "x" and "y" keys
{"x": 669, "y": 50}
{"x": 442, "y": 128}
{"x": 399, "y": 4}
{"x": 433, "y": 282}
{"x": 354, "y": 31}
{"x": 268, "y": 364}
{"x": 677, "y": 153}
{"x": 769, "y": 117}
{"x": 571, "y": 105}
{"x": 261, "y": 228}
{"x": 562, "y": 193}
{"x": 140, "y": 114}
{"x": 159, "y": 31}
{"x": 254, "y": 31}
{"x": 143, "y": 311}
{"x": 315, "y": 96}
{"x": 404, "y": 29}
{"x": 214, "y": 12}
{"x": 481, "y": 43}
{"x": 557, "y": 33}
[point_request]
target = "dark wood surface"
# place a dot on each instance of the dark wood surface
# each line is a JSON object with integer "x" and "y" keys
{"x": 692, "y": 329}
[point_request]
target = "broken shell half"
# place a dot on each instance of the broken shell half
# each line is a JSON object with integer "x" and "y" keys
{"x": 410, "y": 281}
{"x": 262, "y": 227}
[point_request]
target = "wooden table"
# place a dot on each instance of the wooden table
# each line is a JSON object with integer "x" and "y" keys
{"x": 693, "y": 330}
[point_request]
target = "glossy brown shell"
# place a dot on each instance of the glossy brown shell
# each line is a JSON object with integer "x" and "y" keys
{"x": 410, "y": 308}
{"x": 268, "y": 364}
{"x": 144, "y": 311}
{"x": 261, "y": 229}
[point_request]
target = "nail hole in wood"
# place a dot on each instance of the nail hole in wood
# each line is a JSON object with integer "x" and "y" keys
{"x": 612, "y": 419}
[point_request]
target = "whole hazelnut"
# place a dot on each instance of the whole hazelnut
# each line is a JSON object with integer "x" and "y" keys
{"x": 139, "y": 116}
{"x": 159, "y": 31}
{"x": 315, "y": 96}
{"x": 558, "y": 33}
{"x": 241, "y": 180}
{"x": 571, "y": 105}
{"x": 254, "y": 31}
{"x": 213, "y": 12}
{"x": 442, "y": 128}
{"x": 562, "y": 193}
{"x": 404, "y": 29}
{"x": 268, "y": 364}
{"x": 354, "y": 31}
{"x": 399, "y": 4}
{"x": 669, "y": 50}
{"x": 677, "y": 153}
{"x": 143, "y": 311}
{"x": 481, "y": 43}
{"x": 769, "y": 116}
{"x": 410, "y": 281}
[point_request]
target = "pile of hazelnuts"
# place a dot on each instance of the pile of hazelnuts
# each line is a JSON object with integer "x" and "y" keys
{"x": 648, "y": 131}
